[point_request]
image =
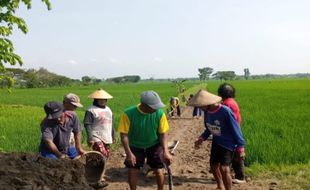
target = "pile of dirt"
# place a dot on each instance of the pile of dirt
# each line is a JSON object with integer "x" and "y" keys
{"x": 32, "y": 171}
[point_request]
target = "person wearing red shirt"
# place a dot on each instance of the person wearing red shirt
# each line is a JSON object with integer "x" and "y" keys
{"x": 227, "y": 92}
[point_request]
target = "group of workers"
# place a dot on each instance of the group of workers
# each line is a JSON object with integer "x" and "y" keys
{"x": 143, "y": 130}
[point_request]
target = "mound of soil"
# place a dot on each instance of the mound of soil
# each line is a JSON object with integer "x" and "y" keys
{"x": 31, "y": 171}
{"x": 190, "y": 167}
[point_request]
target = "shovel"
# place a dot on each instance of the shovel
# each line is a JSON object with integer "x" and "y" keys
{"x": 170, "y": 182}
{"x": 171, "y": 146}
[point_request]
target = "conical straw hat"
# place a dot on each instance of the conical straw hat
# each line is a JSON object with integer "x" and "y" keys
{"x": 100, "y": 94}
{"x": 204, "y": 98}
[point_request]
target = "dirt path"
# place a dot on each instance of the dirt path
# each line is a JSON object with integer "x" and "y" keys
{"x": 190, "y": 167}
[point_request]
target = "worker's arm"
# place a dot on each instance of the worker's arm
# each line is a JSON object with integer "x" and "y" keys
{"x": 53, "y": 148}
{"x": 163, "y": 131}
{"x": 88, "y": 120}
{"x": 113, "y": 130}
{"x": 77, "y": 131}
{"x": 78, "y": 140}
{"x": 47, "y": 137}
{"x": 130, "y": 157}
{"x": 167, "y": 157}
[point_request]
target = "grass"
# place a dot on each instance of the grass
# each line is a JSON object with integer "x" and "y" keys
{"x": 275, "y": 124}
{"x": 22, "y": 111}
{"x": 274, "y": 119}
{"x": 20, "y": 130}
{"x": 296, "y": 176}
{"x": 274, "y": 114}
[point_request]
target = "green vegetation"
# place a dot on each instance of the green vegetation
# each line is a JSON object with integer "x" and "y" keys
{"x": 274, "y": 114}
{"x": 42, "y": 78}
{"x": 22, "y": 111}
{"x": 274, "y": 124}
{"x": 274, "y": 119}
{"x": 9, "y": 19}
{"x": 20, "y": 127}
{"x": 295, "y": 176}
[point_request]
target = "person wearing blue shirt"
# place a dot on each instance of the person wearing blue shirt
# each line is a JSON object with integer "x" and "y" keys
{"x": 219, "y": 121}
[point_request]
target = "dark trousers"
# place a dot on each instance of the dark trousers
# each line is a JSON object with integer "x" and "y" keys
{"x": 238, "y": 166}
{"x": 178, "y": 111}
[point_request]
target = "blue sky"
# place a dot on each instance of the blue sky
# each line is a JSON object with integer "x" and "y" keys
{"x": 166, "y": 38}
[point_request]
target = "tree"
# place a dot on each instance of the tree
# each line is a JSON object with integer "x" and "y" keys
{"x": 179, "y": 85}
{"x": 8, "y": 20}
{"x": 95, "y": 80}
{"x": 204, "y": 73}
{"x": 86, "y": 80}
{"x": 42, "y": 78}
{"x": 124, "y": 79}
{"x": 132, "y": 78}
{"x": 31, "y": 79}
{"x": 246, "y": 73}
{"x": 225, "y": 75}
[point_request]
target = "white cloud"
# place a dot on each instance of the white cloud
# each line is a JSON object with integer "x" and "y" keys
{"x": 293, "y": 31}
{"x": 114, "y": 60}
{"x": 93, "y": 60}
{"x": 158, "y": 59}
{"x": 72, "y": 62}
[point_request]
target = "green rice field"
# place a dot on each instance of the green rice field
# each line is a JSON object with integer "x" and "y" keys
{"x": 22, "y": 110}
{"x": 275, "y": 120}
{"x": 275, "y": 114}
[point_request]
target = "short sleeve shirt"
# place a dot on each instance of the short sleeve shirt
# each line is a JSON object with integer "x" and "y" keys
{"x": 60, "y": 134}
{"x": 143, "y": 129}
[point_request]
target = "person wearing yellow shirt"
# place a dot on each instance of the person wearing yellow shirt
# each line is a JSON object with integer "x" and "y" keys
{"x": 143, "y": 129}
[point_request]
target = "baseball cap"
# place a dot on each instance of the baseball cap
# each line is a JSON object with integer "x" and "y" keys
{"x": 53, "y": 110}
{"x": 152, "y": 99}
{"x": 73, "y": 99}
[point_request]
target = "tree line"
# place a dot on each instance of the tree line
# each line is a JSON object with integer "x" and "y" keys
{"x": 87, "y": 80}
{"x": 205, "y": 74}
{"x": 42, "y": 78}
{"x": 32, "y": 78}
{"x": 9, "y": 20}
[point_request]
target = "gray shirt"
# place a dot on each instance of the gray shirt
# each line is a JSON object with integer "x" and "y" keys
{"x": 60, "y": 134}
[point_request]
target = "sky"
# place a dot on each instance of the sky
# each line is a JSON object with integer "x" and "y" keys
{"x": 165, "y": 38}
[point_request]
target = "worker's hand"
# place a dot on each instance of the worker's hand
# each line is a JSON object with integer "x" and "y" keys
{"x": 240, "y": 151}
{"x": 131, "y": 159}
{"x": 167, "y": 157}
{"x": 64, "y": 156}
{"x": 81, "y": 151}
{"x": 198, "y": 142}
{"x": 90, "y": 143}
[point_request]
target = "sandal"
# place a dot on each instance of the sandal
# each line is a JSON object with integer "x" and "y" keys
{"x": 99, "y": 184}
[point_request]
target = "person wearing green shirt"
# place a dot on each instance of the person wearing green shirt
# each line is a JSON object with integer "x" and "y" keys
{"x": 143, "y": 129}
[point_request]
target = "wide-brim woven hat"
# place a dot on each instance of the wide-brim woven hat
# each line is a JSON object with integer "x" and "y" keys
{"x": 204, "y": 98}
{"x": 100, "y": 94}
